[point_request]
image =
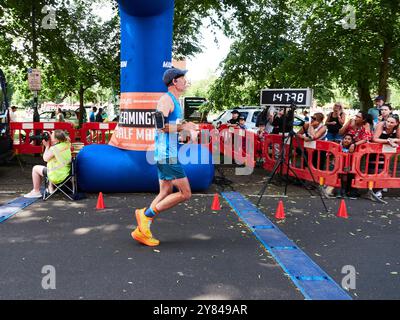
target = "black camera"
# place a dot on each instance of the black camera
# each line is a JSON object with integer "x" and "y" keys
{"x": 40, "y": 137}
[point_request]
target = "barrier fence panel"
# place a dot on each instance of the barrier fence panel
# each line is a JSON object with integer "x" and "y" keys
{"x": 97, "y": 132}
{"x": 326, "y": 162}
{"x": 206, "y": 135}
{"x": 316, "y": 161}
{"x": 23, "y": 131}
{"x": 371, "y": 165}
{"x": 376, "y": 166}
{"x": 237, "y": 145}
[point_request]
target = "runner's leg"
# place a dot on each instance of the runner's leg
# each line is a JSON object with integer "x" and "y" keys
{"x": 166, "y": 188}
{"x": 173, "y": 199}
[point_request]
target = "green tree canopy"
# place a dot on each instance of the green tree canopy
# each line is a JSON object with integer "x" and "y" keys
{"x": 316, "y": 44}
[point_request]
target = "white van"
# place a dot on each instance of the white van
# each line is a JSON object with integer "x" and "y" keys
{"x": 250, "y": 113}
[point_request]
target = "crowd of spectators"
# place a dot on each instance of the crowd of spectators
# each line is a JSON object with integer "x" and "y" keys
{"x": 378, "y": 125}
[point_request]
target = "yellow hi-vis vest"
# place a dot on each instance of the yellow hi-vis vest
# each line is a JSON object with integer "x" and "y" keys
{"x": 59, "y": 167}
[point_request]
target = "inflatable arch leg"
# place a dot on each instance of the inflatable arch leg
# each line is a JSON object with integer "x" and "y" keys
{"x": 146, "y": 52}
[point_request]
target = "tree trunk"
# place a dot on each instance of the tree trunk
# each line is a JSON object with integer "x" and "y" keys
{"x": 364, "y": 95}
{"x": 384, "y": 69}
{"x": 81, "y": 105}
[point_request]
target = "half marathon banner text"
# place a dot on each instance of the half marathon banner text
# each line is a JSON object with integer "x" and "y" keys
{"x": 135, "y": 130}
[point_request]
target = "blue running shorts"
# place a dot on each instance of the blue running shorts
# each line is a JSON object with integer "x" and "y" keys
{"x": 170, "y": 171}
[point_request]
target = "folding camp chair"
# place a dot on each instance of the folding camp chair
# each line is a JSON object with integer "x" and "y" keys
{"x": 68, "y": 187}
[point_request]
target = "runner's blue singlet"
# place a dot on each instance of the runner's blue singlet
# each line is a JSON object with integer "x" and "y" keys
{"x": 166, "y": 144}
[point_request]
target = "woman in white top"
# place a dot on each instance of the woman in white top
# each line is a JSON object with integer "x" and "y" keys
{"x": 315, "y": 130}
{"x": 59, "y": 116}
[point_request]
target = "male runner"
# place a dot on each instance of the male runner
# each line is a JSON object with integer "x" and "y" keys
{"x": 170, "y": 171}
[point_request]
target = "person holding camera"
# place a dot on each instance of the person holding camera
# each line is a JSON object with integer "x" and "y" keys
{"x": 282, "y": 121}
{"x": 57, "y": 154}
{"x": 315, "y": 130}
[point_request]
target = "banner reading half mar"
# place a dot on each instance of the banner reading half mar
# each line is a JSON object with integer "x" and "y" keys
{"x": 135, "y": 130}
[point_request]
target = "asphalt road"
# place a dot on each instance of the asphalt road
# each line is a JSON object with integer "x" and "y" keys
{"x": 203, "y": 254}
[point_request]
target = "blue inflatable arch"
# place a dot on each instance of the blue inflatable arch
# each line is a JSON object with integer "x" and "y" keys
{"x": 146, "y": 52}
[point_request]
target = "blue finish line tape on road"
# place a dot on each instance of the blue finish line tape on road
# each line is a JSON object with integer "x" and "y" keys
{"x": 312, "y": 281}
{"x": 11, "y": 208}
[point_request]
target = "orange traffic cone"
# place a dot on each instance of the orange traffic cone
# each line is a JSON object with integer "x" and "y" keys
{"x": 342, "y": 213}
{"x": 280, "y": 211}
{"x": 100, "y": 202}
{"x": 216, "y": 205}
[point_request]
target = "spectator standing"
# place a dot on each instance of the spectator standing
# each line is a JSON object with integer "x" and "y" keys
{"x": 375, "y": 111}
{"x": 315, "y": 130}
{"x": 360, "y": 128}
{"x": 346, "y": 190}
{"x": 104, "y": 115}
{"x": 261, "y": 136}
{"x": 280, "y": 118}
{"x": 59, "y": 115}
{"x": 386, "y": 132}
{"x": 92, "y": 116}
{"x": 261, "y": 132}
{"x": 386, "y": 111}
{"x": 234, "y": 122}
{"x": 306, "y": 117}
{"x": 266, "y": 117}
{"x": 99, "y": 115}
{"x": 334, "y": 122}
{"x": 13, "y": 114}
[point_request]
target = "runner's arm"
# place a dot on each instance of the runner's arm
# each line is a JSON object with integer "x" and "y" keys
{"x": 166, "y": 107}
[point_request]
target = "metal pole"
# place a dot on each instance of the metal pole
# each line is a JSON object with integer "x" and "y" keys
{"x": 36, "y": 117}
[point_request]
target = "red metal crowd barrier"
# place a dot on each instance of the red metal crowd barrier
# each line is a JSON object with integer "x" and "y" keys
{"x": 97, "y": 132}
{"x": 376, "y": 166}
{"x": 90, "y": 133}
{"x": 372, "y": 165}
{"x": 22, "y": 144}
{"x": 235, "y": 144}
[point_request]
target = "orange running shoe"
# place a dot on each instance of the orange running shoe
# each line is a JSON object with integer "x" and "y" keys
{"x": 143, "y": 222}
{"x": 140, "y": 237}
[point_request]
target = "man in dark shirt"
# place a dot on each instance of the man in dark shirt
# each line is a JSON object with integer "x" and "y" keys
{"x": 375, "y": 111}
{"x": 99, "y": 115}
{"x": 235, "y": 118}
{"x": 93, "y": 115}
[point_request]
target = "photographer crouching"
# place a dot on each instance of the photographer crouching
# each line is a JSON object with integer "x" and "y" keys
{"x": 57, "y": 154}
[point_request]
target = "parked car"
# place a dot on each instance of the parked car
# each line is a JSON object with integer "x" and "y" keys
{"x": 69, "y": 116}
{"x": 249, "y": 112}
